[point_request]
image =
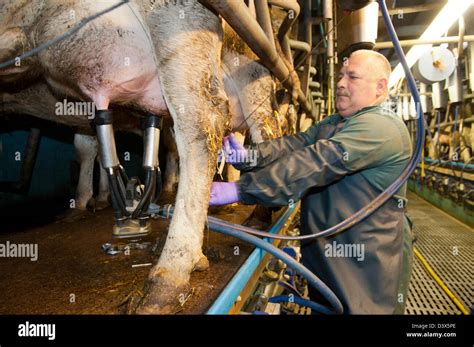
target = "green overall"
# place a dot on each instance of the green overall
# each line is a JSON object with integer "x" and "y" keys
{"x": 335, "y": 168}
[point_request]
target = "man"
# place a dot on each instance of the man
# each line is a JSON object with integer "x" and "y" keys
{"x": 335, "y": 168}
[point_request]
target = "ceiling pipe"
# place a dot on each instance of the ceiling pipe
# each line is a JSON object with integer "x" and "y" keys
{"x": 408, "y": 43}
{"x": 293, "y": 9}
{"x": 263, "y": 18}
{"x": 238, "y": 17}
{"x": 307, "y": 36}
{"x": 328, "y": 14}
{"x": 300, "y": 46}
{"x": 462, "y": 30}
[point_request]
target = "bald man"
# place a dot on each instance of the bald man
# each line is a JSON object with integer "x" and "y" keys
{"x": 335, "y": 168}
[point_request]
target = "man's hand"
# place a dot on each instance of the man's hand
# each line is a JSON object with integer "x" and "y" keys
{"x": 223, "y": 193}
{"x": 234, "y": 151}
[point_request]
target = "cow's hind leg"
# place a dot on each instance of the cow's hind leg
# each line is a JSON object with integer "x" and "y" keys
{"x": 102, "y": 199}
{"x": 86, "y": 151}
{"x": 171, "y": 175}
{"x": 193, "y": 88}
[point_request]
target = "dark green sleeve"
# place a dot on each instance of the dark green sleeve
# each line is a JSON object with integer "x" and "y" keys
{"x": 363, "y": 143}
{"x": 291, "y": 176}
{"x": 269, "y": 151}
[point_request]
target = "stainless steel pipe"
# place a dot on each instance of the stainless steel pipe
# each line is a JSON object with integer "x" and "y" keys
{"x": 238, "y": 17}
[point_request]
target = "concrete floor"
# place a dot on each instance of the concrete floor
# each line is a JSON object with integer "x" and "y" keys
{"x": 73, "y": 275}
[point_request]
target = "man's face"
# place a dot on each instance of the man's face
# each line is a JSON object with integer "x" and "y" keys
{"x": 357, "y": 87}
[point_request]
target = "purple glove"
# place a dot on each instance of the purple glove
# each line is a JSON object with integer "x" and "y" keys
{"x": 234, "y": 151}
{"x": 223, "y": 193}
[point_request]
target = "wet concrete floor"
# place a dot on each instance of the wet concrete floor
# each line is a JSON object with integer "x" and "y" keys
{"x": 74, "y": 275}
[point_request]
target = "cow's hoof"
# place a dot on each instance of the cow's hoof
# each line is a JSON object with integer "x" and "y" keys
{"x": 97, "y": 204}
{"x": 101, "y": 204}
{"x": 202, "y": 264}
{"x": 161, "y": 298}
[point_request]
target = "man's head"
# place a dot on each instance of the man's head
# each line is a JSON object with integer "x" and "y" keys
{"x": 363, "y": 81}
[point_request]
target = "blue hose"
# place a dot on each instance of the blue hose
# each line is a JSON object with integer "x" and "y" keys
{"x": 438, "y": 114}
{"x": 220, "y": 226}
{"x": 290, "y": 287}
{"x": 407, "y": 171}
{"x": 300, "y": 301}
{"x": 223, "y": 227}
{"x": 455, "y": 125}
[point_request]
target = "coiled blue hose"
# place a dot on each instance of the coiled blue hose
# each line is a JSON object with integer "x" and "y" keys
{"x": 223, "y": 227}
{"x": 407, "y": 171}
{"x": 220, "y": 226}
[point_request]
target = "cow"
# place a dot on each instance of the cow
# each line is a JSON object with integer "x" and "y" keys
{"x": 451, "y": 147}
{"x": 161, "y": 57}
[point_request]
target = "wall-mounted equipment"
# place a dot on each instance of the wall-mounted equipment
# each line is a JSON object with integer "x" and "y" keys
{"x": 435, "y": 65}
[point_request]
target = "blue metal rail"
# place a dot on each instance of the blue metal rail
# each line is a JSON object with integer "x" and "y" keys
{"x": 452, "y": 163}
{"x": 231, "y": 292}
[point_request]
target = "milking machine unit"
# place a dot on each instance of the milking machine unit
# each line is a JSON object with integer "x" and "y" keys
{"x": 130, "y": 199}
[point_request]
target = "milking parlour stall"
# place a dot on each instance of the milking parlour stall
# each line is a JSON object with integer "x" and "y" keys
{"x": 128, "y": 129}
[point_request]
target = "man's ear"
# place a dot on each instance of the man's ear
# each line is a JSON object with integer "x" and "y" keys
{"x": 381, "y": 88}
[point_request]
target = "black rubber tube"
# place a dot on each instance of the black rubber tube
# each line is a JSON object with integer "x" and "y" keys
{"x": 145, "y": 200}
{"x": 119, "y": 207}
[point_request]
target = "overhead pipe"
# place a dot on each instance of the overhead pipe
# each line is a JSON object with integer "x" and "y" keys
{"x": 306, "y": 60}
{"x": 252, "y": 9}
{"x": 308, "y": 37}
{"x": 300, "y": 46}
{"x": 237, "y": 16}
{"x": 294, "y": 10}
{"x": 328, "y": 13}
{"x": 462, "y": 29}
{"x": 304, "y": 48}
{"x": 312, "y": 70}
{"x": 263, "y": 18}
{"x": 408, "y": 43}
{"x": 413, "y": 9}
